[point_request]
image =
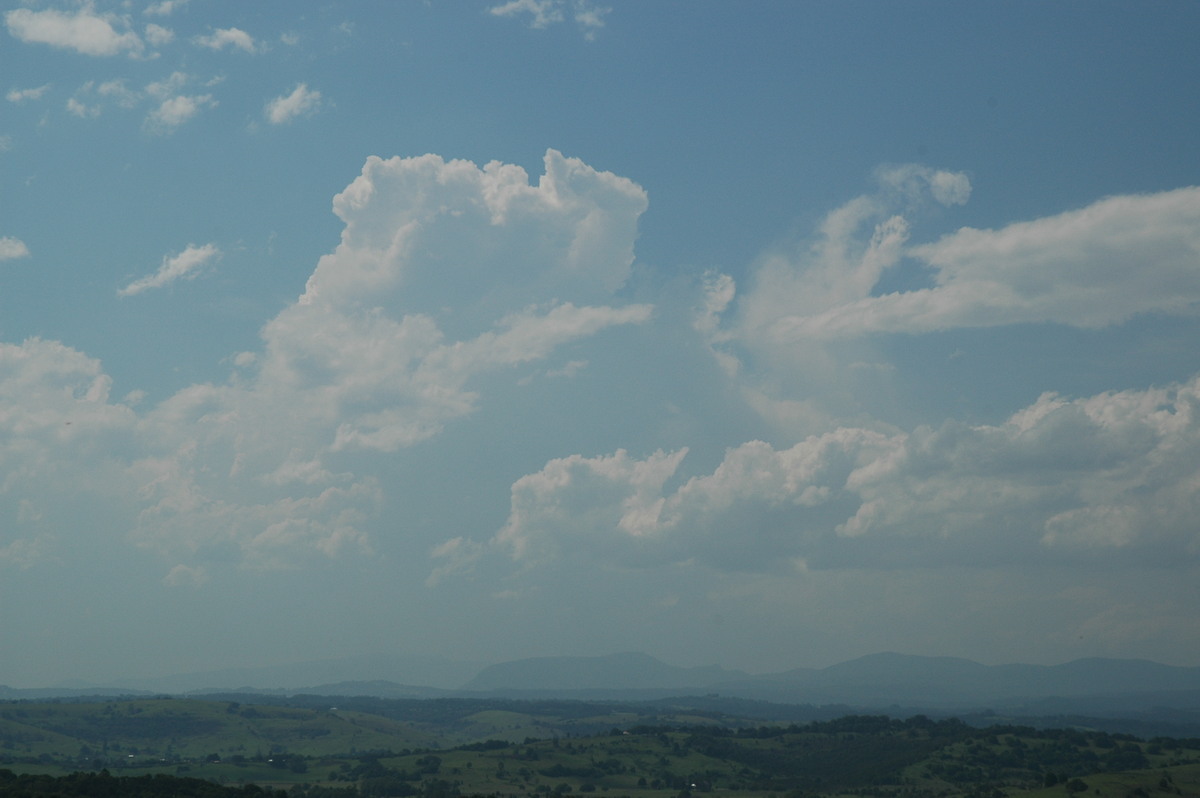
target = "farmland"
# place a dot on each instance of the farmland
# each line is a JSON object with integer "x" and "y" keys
{"x": 450, "y": 748}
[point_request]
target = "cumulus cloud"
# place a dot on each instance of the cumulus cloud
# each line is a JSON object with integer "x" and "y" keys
{"x": 23, "y": 95}
{"x": 174, "y": 107}
{"x": 422, "y": 251}
{"x": 423, "y": 234}
{"x": 302, "y": 101}
{"x": 228, "y": 37}
{"x": 184, "y": 266}
{"x": 364, "y": 367}
{"x": 60, "y": 454}
{"x": 278, "y": 466}
{"x": 12, "y": 248}
{"x": 1062, "y": 478}
{"x": 174, "y": 111}
{"x": 84, "y": 31}
{"x": 158, "y": 35}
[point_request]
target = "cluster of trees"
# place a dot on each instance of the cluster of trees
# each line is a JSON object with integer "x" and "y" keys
{"x": 105, "y": 785}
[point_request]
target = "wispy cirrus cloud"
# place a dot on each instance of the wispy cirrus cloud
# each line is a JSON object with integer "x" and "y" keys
{"x": 1072, "y": 268}
{"x": 164, "y": 8}
{"x": 544, "y": 13}
{"x": 284, "y": 108}
{"x": 184, "y": 266}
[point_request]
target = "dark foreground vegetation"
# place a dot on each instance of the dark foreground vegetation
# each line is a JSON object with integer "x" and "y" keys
{"x": 105, "y": 785}
{"x": 222, "y": 749}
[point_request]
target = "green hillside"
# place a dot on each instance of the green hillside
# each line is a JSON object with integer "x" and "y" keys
{"x": 519, "y": 751}
{"x": 169, "y": 729}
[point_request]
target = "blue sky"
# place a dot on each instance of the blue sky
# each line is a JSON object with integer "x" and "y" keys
{"x": 765, "y": 335}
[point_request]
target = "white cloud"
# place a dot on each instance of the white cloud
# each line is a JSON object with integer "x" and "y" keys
{"x": 174, "y": 111}
{"x": 23, "y": 95}
{"x": 164, "y": 8}
{"x": 119, "y": 92}
{"x": 183, "y": 575}
{"x": 1072, "y": 479}
{"x": 356, "y": 367}
{"x": 173, "y": 84}
{"x": 587, "y": 502}
{"x": 90, "y": 99}
{"x": 84, "y": 31}
{"x": 228, "y": 37}
{"x": 853, "y": 247}
{"x": 158, "y": 35}
{"x": 278, "y": 467}
{"x": 590, "y": 17}
{"x": 184, "y": 266}
{"x": 912, "y": 180}
{"x": 60, "y": 453}
{"x": 301, "y": 101}
{"x": 82, "y": 110}
{"x": 457, "y": 556}
{"x": 1088, "y": 268}
{"x": 544, "y": 13}
{"x": 23, "y": 552}
{"x": 792, "y": 329}
{"x": 388, "y": 249}
{"x": 12, "y": 248}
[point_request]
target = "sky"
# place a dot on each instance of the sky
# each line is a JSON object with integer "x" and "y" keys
{"x": 766, "y": 335}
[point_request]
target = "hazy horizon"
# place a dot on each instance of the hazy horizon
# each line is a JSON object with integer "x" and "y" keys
{"x": 759, "y": 335}
{"x": 451, "y": 675}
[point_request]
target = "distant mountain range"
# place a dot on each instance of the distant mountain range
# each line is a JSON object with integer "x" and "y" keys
{"x": 878, "y": 681}
{"x": 631, "y": 671}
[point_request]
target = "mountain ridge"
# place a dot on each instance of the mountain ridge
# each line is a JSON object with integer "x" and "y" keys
{"x": 627, "y": 670}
